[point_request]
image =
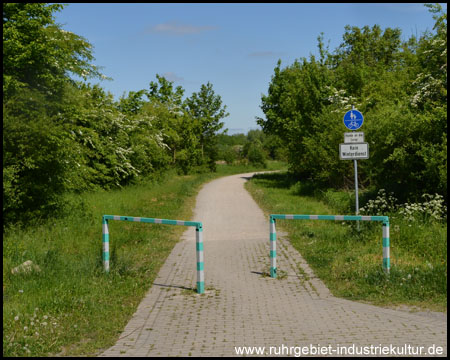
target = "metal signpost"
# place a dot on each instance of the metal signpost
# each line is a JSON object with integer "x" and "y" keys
{"x": 354, "y": 147}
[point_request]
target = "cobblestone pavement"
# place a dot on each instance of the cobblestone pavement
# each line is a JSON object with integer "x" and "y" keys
{"x": 242, "y": 306}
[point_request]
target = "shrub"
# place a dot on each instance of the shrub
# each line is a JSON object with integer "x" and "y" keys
{"x": 433, "y": 209}
{"x": 256, "y": 155}
{"x": 382, "y": 205}
{"x": 35, "y": 165}
{"x": 229, "y": 155}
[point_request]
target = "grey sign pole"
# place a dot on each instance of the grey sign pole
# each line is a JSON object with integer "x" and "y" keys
{"x": 356, "y": 190}
{"x": 356, "y": 185}
{"x": 354, "y": 146}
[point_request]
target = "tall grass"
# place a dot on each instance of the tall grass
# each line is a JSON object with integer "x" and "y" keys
{"x": 350, "y": 261}
{"x": 71, "y": 306}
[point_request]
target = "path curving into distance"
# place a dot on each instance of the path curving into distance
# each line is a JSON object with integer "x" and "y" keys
{"x": 242, "y": 307}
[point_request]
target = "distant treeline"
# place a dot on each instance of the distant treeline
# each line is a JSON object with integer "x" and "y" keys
{"x": 254, "y": 148}
{"x": 61, "y": 135}
{"x": 399, "y": 86}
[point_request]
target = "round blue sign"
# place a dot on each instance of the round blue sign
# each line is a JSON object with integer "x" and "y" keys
{"x": 353, "y": 119}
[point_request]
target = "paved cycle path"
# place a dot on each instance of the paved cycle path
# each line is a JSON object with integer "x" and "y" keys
{"x": 243, "y": 307}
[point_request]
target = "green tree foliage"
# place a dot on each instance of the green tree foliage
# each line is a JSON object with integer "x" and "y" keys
{"x": 62, "y": 135}
{"x": 133, "y": 103}
{"x": 37, "y": 53}
{"x": 37, "y": 58}
{"x": 34, "y": 168}
{"x": 102, "y": 135}
{"x": 206, "y": 109}
{"x": 399, "y": 86}
{"x": 256, "y": 154}
{"x": 255, "y": 147}
{"x": 295, "y": 97}
{"x": 177, "y": 130}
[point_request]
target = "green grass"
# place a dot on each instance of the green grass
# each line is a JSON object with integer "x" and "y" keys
{"x": 350, "y": 261}
{"x": 72, "y": 307}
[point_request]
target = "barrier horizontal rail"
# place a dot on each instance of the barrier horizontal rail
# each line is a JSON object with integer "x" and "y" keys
{"x": 198, "y": 241}
{"x": 273, "y": 234}
{"x": 331, "y": 217}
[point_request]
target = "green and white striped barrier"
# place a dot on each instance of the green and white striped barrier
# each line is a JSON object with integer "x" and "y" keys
{"x": 198, "y": 242}
{"x": 273, "y": 234}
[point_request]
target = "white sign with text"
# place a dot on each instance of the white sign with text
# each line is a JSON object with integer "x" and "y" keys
{"x": 353, "y": 137}
{"x": 354, "y": 151}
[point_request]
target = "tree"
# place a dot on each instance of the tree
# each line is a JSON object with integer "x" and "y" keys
{"x": 34, "y": 159}
{"x": 401, "y": 87}
{"x": 37, "y": 53}
{"x": 296, "y": 95}
{"x": 430, "y": 85}
{"x": 363, "y": 55}
{"x": 150, "y": 153}
{"x": 133, "y": 103}
{"x": 164, "y": 93}
{"x": 256, "y": 154}
{"x": 206, "y": 108}
{"x": 178, "y": 130}
{"x": 38, "y": 57}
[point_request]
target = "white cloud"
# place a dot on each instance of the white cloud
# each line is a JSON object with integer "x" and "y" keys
{"x": 265, "y": 54}
{"x": 173, "y": 77}
{"x": 175, "y": 28}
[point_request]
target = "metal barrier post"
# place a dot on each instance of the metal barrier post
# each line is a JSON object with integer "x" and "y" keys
{"x": 386, "y": 245}
{"x": 384, "y": 219}
{"x": 198, "y": 242}
{"x": 105, "y": 241}
{"x": 200, "y": 259}
{"x": 273, "y": 248}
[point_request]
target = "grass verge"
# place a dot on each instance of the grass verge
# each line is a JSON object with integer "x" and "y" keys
{"x": 350, "y": 261}
{"x": 71, "y": 306}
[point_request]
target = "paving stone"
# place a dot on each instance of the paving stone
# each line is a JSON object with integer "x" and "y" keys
{"x": 242, "y": 307}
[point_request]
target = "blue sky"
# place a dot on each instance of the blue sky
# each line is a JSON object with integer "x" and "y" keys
{"x": 234, "y": 46}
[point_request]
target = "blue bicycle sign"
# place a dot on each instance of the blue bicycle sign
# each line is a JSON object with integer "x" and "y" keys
{"x": 353, "y": 119}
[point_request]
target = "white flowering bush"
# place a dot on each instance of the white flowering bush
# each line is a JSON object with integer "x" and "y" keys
{"x": 433, "y": 208}
{"x": 383, "y": 204}
{"x": 340, "y": 100}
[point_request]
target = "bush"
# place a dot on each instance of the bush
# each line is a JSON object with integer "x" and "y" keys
{"x": 256, "y": 155}
{"x": 431, "y": 210}
{"x": 229, "y": 155}
{"x": 342, "y": 201}
{"x": 33, "y": 181}
{"x": 399, "y": 86}
{"x": 383, "y": 204}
